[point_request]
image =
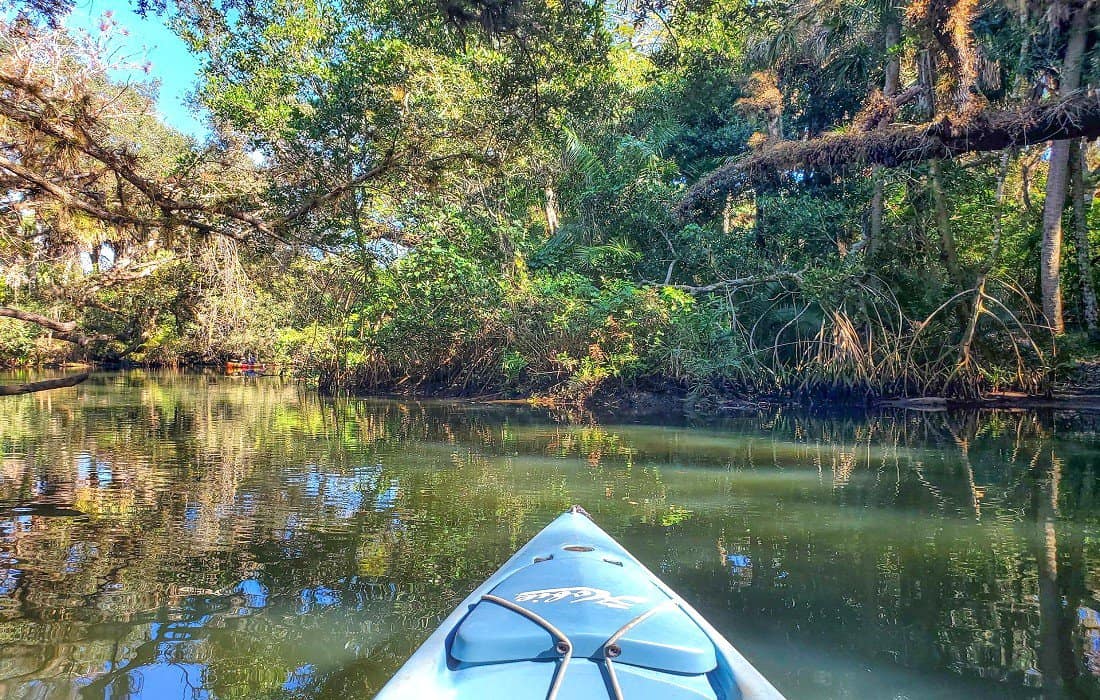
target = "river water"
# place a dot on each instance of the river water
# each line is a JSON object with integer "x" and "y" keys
{"x": 198, "y": 536}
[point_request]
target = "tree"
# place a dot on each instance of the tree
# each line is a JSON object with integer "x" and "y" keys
{"x": 100, "y": 195}
{"x": 1069, "y": 82}
{"x": 407, "y": 104}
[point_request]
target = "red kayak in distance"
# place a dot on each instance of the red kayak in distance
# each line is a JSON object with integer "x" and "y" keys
{"x": 238, "y": 367}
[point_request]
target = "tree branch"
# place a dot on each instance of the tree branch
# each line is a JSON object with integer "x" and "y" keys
{"x": 44, "y": 385}
{"x": 77, "y": 133}
{"x": 69, "y": 199}
{"x": 62, "y": 330}
{"x": 738, "y": 283}
{"x": 892, "y": 145}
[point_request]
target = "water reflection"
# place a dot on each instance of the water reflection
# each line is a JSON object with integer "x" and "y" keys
{"x": 175, "y": 536}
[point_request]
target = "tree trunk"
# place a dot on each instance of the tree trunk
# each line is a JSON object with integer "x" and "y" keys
{"x": 727, "y": 215}
{"x": 948, "y": 253}
{"x": 1082, "y": 202}
{"x": 892, "y": 32}
{"x": 1051, "y": 260}
{"x": 550, "y": 204}
{"x": 878, "y": 196}
{"x": 963, "y": 55}
{"x": 999, "y": 198}
{"x": 926, "y": 78}
{"x": 1058, "y": 177}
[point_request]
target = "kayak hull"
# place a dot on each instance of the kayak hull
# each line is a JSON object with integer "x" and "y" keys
{"x": 574, "y": 615}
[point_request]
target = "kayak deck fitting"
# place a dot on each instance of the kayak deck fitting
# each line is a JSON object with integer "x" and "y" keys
{"x": 573, "y": 615}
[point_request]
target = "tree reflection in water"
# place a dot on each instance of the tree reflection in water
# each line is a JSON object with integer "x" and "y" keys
{"x": 190, "y": 536}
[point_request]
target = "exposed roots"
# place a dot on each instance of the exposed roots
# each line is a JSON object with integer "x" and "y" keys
{"x": 875, "y": 351}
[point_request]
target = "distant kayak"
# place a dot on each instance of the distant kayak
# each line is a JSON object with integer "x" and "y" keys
{"x": 245, "y": 365}
{"x": 246, "y": 369}
{"x": 573, "y": 616}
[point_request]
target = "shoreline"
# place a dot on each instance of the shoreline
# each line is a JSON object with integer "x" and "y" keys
{"x": 670, "y": 397}
{"x": 644, "y": 402}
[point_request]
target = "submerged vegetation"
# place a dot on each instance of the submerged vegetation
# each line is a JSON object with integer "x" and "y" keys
{"x": 844, "y": 199}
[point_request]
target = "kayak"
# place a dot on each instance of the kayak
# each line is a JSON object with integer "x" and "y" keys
{"x": 571, "y": 616}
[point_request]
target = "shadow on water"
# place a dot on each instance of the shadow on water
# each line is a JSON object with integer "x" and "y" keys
{"x": 196, "y": 536}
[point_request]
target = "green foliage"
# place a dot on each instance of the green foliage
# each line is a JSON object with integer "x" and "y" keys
{"x": 440, "y": 321}
{"x": 17, "y": 344}
{"x": 433, "y": 300}
{"x": 531, "y": 157}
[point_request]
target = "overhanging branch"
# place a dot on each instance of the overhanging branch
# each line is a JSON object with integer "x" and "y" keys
{"x": 895, "y": 144}
{"x": 69, "y": 123}
{"x": 62, "y": 330}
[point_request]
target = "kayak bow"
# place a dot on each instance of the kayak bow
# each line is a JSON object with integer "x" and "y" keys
{"x": 572, "y": 615}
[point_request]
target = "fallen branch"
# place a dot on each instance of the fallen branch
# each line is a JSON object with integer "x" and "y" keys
{"x": 896, "y": 144}
{"x": 44, "y": 385}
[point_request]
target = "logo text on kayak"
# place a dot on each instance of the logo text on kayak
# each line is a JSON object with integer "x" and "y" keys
{"x": 580, "y": 594}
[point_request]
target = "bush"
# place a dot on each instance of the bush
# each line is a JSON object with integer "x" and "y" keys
{"x": 439, "y": 321}
{"x": 17, "y": 343}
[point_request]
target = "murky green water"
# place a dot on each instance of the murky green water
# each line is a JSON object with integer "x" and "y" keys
{"x": 173, "y": 536}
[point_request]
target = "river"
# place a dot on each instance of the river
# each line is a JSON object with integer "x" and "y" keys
{"x": 192, "y": 536}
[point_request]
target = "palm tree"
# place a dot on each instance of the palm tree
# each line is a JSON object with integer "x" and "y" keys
{"x": 831, "y": 39}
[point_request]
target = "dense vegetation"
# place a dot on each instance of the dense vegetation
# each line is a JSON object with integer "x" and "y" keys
{"x": 853, "y": 198}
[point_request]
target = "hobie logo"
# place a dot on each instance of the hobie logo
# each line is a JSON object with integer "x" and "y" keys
{"x": 580, "y": 594}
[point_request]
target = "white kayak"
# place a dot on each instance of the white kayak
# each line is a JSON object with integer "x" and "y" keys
{"x": 573, "y": 616}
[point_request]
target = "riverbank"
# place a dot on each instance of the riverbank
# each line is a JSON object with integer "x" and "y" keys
{"x": 657, "y": 399}
{"x": 1078, "y": 389}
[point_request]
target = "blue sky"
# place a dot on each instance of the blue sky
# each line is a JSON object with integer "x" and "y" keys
{"x": 148, "y": 40}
